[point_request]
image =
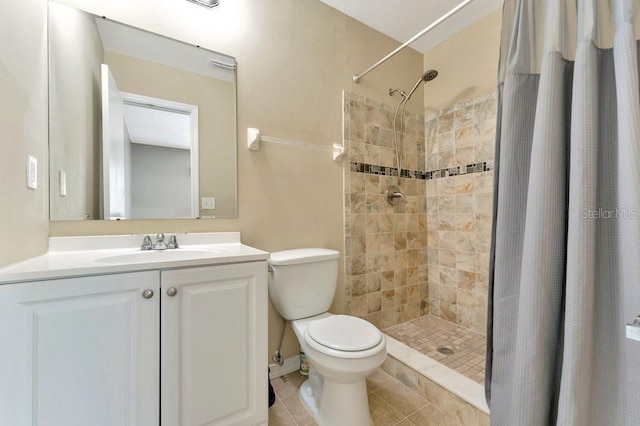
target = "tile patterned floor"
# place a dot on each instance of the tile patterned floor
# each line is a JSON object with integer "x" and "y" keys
{"x": 390, "y": 402}
{"x": 428, "y": 333}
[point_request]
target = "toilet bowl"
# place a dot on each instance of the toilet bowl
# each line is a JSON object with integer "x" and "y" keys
{"x": 342, "y": 350}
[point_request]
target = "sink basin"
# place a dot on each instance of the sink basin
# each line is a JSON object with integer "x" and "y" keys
{"x": 159, "y": 256}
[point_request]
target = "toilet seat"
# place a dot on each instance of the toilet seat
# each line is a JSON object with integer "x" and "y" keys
{"x": 344, "y": 333}
{"x": 347, "y": 332}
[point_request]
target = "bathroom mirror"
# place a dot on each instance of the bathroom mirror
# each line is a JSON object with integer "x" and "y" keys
{"x": 140, "y": 126}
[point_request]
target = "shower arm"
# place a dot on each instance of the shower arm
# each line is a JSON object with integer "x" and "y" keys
{"x": 357, "y": 77}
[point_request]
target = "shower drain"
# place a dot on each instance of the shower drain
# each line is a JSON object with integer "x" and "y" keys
{"x": 445, "y": 351}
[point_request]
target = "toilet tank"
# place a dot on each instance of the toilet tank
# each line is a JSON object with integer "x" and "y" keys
{"x": 302, "y": 282}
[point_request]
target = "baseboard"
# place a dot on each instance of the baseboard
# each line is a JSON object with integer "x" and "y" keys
{"x": 290, "y": 365}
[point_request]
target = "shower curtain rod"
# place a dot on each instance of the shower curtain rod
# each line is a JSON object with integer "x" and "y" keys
{"x": 357, "y": 77}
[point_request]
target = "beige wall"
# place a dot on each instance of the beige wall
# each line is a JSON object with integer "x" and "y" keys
{"x": 24, "y": 214}
{"x": 216, "y": 115}
{"x": 75, "y": 113}
{"x": 294, "y": 59}
{"x": 467, "y": 64}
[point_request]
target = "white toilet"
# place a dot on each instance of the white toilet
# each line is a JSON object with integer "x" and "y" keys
{"x": 342, "y": 350}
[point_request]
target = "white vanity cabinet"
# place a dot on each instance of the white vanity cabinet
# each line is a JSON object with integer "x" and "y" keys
{"x": 172, "y": 347}
{"x": 213, "y": 333}
{"x": 80, "y": 351}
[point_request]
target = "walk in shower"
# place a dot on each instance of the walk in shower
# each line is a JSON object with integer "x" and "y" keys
{"x": 418, "y": 269}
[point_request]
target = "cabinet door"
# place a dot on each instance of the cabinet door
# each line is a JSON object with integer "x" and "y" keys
{"x": 81, "y": 351}
{"x": 213, "y": 340}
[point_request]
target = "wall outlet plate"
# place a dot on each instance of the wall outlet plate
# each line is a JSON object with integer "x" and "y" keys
{"x": 208, "y": 203}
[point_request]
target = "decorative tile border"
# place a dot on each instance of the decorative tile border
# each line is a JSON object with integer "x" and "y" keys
{"x": 421, "y": 175}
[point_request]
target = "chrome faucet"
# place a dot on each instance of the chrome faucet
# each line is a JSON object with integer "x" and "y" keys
{"x": 173, "y": 242}
{"x": 146, "y": 243}
{"x": 159, "y": 243}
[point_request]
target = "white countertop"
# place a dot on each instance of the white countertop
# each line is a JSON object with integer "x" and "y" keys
{"x": 96, "y": 255}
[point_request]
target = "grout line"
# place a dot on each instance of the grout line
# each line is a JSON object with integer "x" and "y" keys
{"x": 385, "y": 402}
{"x": 402, "y": 416}
{"x": 390, "y": 383}
{"x": 421, "y": 407}
{"x": 289, "y": 413}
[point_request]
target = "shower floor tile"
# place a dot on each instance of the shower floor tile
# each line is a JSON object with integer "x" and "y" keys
{"x": 427, "y": 334}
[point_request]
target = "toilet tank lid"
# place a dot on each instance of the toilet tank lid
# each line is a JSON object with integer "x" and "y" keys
{"x": 302, "y": 255}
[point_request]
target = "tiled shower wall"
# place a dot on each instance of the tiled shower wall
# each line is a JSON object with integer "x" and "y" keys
{"x": 429, "y": 255}
{"x": 459, "y": 206}
{"x": 385, "y": 246}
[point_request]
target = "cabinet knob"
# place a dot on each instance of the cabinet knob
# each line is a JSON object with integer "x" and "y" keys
{"x": 172, "y": 292}
{"x": 147, "y": 294}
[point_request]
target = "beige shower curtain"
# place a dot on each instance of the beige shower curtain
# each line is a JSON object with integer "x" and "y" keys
{"x": 565, "y": 264}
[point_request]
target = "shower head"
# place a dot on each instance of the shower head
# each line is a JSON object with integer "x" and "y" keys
{"x": 427, "y": 76}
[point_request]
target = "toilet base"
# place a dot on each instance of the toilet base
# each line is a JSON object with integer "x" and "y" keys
{"x": 309, "y": 398}
{"x": 332, "y": 403}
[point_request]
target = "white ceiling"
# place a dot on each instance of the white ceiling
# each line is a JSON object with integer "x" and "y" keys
{"x": 402, "y": 19}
